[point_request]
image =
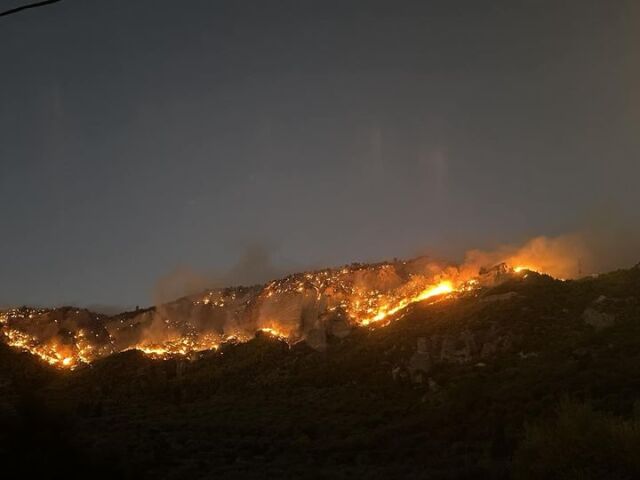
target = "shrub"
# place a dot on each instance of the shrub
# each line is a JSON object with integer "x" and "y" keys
{"x": 580, "y": 443}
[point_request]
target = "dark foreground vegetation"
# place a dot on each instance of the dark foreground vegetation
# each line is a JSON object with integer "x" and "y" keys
{"x": 534, "y": 379}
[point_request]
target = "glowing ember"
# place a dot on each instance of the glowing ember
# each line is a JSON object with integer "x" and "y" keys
{"x": 178, "y": 347}
{"x": 386, "y": 310}
{"x": 520, "y": 269}
{"x": 273, "y": 332}
{"x": 306, "y": 306}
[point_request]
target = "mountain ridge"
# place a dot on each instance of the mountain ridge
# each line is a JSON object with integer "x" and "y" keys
{"x": 447, "y": 390}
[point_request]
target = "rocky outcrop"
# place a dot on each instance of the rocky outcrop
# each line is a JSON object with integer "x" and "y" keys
{"x": 459, "y": 348}
{"x": 500, "y": 297}
{"x": 490, "y": 277}
{"x": 489, "y": 349}
{"x": 598, "y": 320}
{"x": 339, "y": 326}
{"x": 420, "y": 361}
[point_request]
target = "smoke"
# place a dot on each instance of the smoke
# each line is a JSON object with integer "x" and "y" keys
{"x": 172, "y": 320}
{"x": 613, "y": 239}
{"x": 599, "y": 246}
{"x": 103, "y": 309}
{"x": 179, "y": 282}
{"x": 310, "y": 306}
{"x": 602, "y": 245}
{"x": 565, "y": 256}
{"x": 254, "y": 266}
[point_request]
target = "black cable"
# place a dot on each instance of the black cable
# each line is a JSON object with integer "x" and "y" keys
{"x": 24, "y": 7}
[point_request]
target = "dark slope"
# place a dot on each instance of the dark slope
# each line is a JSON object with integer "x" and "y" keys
{"x": 444, "y": 392}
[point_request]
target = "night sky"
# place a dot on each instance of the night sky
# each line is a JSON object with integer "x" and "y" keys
{"x": 140, "y": 137}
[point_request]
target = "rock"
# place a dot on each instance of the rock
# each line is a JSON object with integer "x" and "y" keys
{"x": 400, "y": 374}
{"x": 600, "y": 299}
{"x": 501, "y": 297}
{"x": 433, "y": 386}
{"x": 418, "y": 377}
{"x": 525, "y": 355}
{"x": 580, "y": 353}
{"x": 598, "y": 320}
{"x": 488, "y": 349}
{"x": 448, "y": 349}
{"x": 317, "y": 339}
{"x": 457, "y": 350}
{"x": 494, "y": 342}
{"x": 420, "y": 361}
{"x": 489, "y": 277}
{"x": 339, "y": 327}
{"x": 180, "y": 368}
{"x": 423, "y": 346}
{"x": 470, "y": 342}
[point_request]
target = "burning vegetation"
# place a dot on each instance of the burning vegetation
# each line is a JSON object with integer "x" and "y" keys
{"x": 308, "y": 306}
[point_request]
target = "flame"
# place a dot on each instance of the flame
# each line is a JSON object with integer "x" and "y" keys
{"x": 274, "y": 332}
{"x": 52, "y": 354}
{"x": 386, "y": 310}
{"x": 179, "y": 347}
{"x": 521, "y": 268}
{"x": 360, "y": 295}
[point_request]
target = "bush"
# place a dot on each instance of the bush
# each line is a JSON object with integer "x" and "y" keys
{"x": 580, "y": 443}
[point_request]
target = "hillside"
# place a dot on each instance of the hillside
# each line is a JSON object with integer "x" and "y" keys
{"x": 465, "y": 387}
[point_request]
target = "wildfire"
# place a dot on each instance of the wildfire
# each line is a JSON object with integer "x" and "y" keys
{"x": 178, "y": 347}
{"x": 51, "y": 354}
{"x": 274, "y": 332}
{"x": 289, "y": 308}
{"x": 521, "y": 268}
{"x": 385, "y": 311}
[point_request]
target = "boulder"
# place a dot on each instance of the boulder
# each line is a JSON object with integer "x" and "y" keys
{"x": 598, "y": 320}
{"x": 490, "y": 277}
{"x": 420, "y": 361}
{"x": 525, "y": 355}
{"x": 433, "y": 385}
{"x": 600, "y": 299}
{"x": 457, "y": 349}
{"x": 316, "y": 338}
{"x": 489, "y": 349}
{"x": 501, "y": 297}
{"x": 400, "y": 374}
{"x": 339, "y": 327}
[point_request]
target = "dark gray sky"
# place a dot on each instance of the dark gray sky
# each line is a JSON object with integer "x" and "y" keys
{"x": 140, "y": 136}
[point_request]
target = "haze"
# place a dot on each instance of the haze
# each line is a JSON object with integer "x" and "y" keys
{"x": 141, "y": 137}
